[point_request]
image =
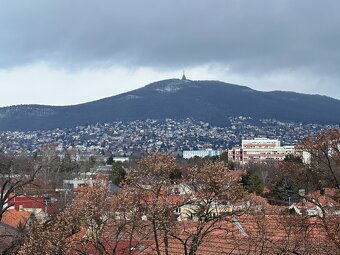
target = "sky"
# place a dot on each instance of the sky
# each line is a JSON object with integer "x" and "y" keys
{"x": 63, "y": 52}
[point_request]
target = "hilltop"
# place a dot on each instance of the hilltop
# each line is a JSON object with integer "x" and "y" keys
{"x": 209, "y": 101}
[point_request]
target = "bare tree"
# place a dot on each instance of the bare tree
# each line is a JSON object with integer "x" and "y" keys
{"x": 16, "y": 173}
{"x": 202, "y": 195}
{"x": 60, "y": 234}
{"x": 151, "y": 182}
{"x": 96, "y": 221}
{"x": 324, "y": 150}
{"x": 215, "y": 194}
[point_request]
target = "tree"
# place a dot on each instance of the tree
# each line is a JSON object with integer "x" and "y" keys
{"x": 90, "y": 211}
{"x": 118, "y": 172}
{"x": 109, "y": 161}
{"x": 288, "y": 178}
{"x": 293, "y": 158}
{"x": 324, "y": 163}
{"x": 90, "y": 163}
{"x": 16, "y": 174}
{"x": 204, "y": 192}
{"x": 224, "y": 157}
{"x": 324, "y": 151}
{"x": 152, "y": 182}
{"x": 213, "y": 190}
{"x": 319, "y": 177}
{"x": 267, "y": 170}
{"x": 68, "y": 165}
{"x": 253, "y": 183}
{"x": 50, "y": 163}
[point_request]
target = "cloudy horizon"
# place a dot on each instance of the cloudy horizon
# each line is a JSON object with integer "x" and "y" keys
{"x": 69, "y": 52}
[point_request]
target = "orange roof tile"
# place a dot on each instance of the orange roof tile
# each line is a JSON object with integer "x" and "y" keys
{"x": 259, "y": 235}
{"x": 14, "y": 217}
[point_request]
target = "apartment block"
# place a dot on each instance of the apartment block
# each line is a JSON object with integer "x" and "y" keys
{"x": 200, "y": 153}
{"x": 261, "y": 149}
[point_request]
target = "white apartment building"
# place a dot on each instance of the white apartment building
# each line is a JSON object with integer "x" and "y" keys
{"x": 261, "y": 149}
{"x": 200, "y": 153}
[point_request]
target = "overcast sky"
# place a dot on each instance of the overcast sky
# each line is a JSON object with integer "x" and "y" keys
{"x": 71, "y": 51}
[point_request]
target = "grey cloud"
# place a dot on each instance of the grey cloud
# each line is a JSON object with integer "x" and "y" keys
{"x": 247, "y": 36}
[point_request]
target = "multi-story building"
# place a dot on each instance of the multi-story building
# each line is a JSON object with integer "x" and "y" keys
{"x": 200, "y": 153}
{"x": 261, "y": 149}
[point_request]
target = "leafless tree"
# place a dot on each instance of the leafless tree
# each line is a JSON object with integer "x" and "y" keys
{"x": 16, "y": 173}
{"x": 324, "y": 150}
{"x": 205, "y": 193}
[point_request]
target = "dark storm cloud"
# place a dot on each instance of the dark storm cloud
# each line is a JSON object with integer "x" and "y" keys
{"x": 247, "y": 36}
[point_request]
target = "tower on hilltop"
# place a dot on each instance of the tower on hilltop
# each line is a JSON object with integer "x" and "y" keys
{"x": 183, "y": 77}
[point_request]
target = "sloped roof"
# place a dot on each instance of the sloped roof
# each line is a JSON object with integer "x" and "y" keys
{"x": 314, "y": 199}
{"x": 14, "y": 218}
{"x": 247, "y": 234}
{"x": 259, "y": 235}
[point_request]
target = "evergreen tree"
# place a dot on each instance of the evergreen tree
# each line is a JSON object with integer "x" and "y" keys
{"x": 109, "y": 161}
{"x": 118, "y": 172}
{"x": 253, "y": 183}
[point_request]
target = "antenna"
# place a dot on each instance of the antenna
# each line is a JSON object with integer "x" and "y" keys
{"x": 183, "y": 77}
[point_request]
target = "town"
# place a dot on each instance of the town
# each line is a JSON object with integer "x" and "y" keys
{"x": 169, "y": 135}
{"x": 65, "y": 203}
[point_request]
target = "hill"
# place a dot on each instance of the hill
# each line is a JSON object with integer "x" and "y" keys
{"x": 210, "y": 101}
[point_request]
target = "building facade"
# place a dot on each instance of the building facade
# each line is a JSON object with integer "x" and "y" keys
{"x": 200, "y": 153}
{"x": 261, "y": 149}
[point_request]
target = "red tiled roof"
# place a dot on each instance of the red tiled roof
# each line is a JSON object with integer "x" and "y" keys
{"x": 274, "y": 234}
{"x": 260, "y": 235}
{"x": 14, "y": 218}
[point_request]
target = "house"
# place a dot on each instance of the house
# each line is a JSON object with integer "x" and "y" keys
{"x": 40, "y": 206}
{"x": 317, "y": 204}
{"x": 11, "y": 221}
{"x": 75, "y": 183}
{"x": 15, "y": 218}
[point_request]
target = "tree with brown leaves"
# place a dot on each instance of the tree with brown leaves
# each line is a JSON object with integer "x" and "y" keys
{"x": 85, "y": 217}
{"x": 187, "y": 208}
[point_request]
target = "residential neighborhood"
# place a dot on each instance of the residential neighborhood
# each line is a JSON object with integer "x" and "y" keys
{"x": 140, "y": 137}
